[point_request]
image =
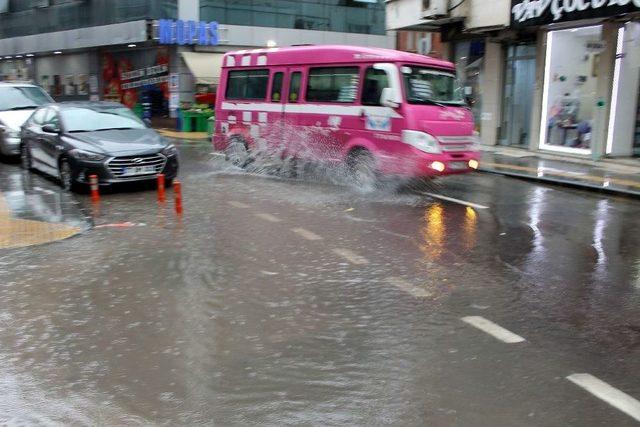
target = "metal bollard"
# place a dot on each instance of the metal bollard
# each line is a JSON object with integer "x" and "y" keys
{"x": 161, "y": 188}
{"x": 95, "y": 192}
{"x": 177, "y": 190}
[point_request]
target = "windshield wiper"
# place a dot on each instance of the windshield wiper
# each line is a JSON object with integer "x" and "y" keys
{"x": 431, "y": 102}
{"x": 122, "y": 128}
{"x": 79, "y": 130}
{"x": 24, "y": 107}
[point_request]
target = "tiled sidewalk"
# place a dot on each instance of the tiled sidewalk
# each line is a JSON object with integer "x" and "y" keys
{"x": 610, "y": 176}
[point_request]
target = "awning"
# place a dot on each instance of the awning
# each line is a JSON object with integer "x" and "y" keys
{"x": 205, "y": 67}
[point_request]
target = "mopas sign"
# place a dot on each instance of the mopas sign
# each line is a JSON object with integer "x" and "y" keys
{"x": 542, "y": 12}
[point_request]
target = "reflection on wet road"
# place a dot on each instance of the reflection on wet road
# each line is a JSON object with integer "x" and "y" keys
{"x": 277, "y": 301}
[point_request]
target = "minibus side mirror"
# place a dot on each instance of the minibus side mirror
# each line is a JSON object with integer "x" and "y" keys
{"x": 387, "y": 98}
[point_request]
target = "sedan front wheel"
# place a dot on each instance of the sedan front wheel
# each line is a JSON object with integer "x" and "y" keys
{"x": 66, "y": 175}
{"x": 25, "y": 157}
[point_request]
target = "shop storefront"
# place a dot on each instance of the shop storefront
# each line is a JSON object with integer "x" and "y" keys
{"x": 588, "y": 64}
{"x": 137, "y": 78}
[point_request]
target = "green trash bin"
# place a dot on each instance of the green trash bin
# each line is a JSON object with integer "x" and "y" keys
{"x": 201, "y": 122}
{"x": 138, "y": 110}
{"x": 188, "y": 121}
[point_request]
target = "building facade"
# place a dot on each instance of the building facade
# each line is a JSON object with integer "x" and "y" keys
{"x": 554, "y": 75}
{"x": 159, "y": 54}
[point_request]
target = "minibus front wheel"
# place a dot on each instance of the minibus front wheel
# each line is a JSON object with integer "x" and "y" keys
{"x": 236, "y": 152}
{"x": 362, "y": 170}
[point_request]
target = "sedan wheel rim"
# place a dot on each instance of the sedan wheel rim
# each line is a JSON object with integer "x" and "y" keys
{"x": 65, "y": 175}
{"x": 24, "y": 156}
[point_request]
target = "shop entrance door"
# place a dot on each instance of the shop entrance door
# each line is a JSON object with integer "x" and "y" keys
{"x": 519, "y": 81}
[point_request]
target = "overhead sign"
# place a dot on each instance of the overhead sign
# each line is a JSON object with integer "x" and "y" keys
{"x": 145, "y": 76}
{"x": 187, "y": 32}
{"x": 525, "y": 13}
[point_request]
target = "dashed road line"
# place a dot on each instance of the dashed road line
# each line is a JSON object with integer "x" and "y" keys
{"x": 350, "y": 256}
{"x": 493, "y": 329}
{"x": 409, "y": 288}
{"x": 268, "y": 217}
{"x": 451, "y": 199}
{"x": 238, "y": 205}
{"x": 614, "y": 397}
{"x": 306, "y": 234}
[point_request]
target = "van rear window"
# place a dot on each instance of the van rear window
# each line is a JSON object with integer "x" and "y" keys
{"x": 333, "y": 84}
{"x": 250, "y": 84}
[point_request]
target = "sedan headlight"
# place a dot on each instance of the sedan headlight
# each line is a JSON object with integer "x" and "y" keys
{"x": 422, "y": 141}
{"x": 86, "y": 155}
{"x": 170, "y": 150}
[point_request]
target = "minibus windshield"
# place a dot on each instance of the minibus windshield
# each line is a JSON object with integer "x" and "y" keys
{"x": 431, "y": 87}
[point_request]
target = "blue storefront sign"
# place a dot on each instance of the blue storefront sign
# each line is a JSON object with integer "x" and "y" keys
{"x": 188, "y": 32}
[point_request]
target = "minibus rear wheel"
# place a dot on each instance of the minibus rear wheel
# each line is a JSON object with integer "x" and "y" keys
{"x": 236, "y": 152}
{"x": 362, "y": 170}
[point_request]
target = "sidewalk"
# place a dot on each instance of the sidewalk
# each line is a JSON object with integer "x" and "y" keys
{"x": 169, "y": 133}
{"x": 611, "y": 176}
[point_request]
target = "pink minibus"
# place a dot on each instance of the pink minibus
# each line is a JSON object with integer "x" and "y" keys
{"x": 380, "y": 111}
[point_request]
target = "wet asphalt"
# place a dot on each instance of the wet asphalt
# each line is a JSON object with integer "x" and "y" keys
{"x": 278, "y": 301}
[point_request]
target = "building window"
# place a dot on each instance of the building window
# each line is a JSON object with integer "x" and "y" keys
{"x": 333, "y": 84}
{"x": 247, "y": 84}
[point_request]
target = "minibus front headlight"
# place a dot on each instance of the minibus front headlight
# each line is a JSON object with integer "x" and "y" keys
{"x": 422, "y": 141}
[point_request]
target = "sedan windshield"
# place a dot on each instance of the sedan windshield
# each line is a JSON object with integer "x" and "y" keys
{"x": 91, "y": 120}
{"x": 429, "y": 86}
{"x": 22, "y": 98}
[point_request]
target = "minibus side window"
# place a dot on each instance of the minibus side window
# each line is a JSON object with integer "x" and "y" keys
{"x": 333, "y": 84}
{"x": 374, "y": 82}
{"x": 276, "y": 87}
{"x": 251, "y": 84}
{"x": 294, "y": 86}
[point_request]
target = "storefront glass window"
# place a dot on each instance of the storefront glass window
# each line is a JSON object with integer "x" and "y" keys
{"x": 520, "y": 77}
{"x": 569, "y": 99}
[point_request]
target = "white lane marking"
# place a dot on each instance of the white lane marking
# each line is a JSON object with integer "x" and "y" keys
{"x": 614, "y": 397}
{"x": 215, "y": 154}
{"x": 461, "y": 202}
{"x": 306, "y": 234}
{"x": 268, "y": 217}
{"x": 350, "y": 256}
{"x": 238, "y": 205}
{"x": 407, "y": 287}
{"x": 493, "y": 329}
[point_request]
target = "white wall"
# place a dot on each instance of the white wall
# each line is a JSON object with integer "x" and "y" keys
{"x": 482, "y": 13}
{"x": 624, "y": 115}
{"x": 403, "y": 13}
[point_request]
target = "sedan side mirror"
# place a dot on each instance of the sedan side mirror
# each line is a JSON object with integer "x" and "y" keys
{"x": 50, "y": 129}
{"x": 388, "y": 97}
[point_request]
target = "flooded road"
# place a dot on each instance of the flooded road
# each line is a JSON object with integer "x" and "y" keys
{"x": 288, "y": 302}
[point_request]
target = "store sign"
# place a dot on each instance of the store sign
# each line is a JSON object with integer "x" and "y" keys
{"x": 145, "y": 76}
{"x": 187, "y": 32}
{"x": 526, "y": 13}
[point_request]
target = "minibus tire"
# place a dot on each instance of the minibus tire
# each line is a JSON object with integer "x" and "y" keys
{"x": 236, "y": 152}
{"x": 362, "y": 171}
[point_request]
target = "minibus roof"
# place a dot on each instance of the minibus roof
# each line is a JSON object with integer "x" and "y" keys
{"x": 326, "y": 54}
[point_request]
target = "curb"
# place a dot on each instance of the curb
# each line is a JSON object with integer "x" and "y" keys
{"x": 566, "y": 183}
